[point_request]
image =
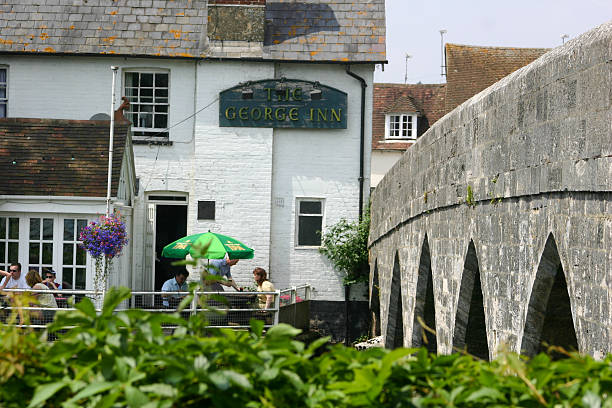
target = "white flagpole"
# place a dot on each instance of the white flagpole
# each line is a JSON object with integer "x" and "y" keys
{"x": 110, "y": 147}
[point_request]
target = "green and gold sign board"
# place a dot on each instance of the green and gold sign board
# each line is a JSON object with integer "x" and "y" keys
{"x": 283, "y": 103}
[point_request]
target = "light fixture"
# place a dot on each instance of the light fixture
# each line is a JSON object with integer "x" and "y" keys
{"x": 281, "y": 88}
{"x": 247, "y": 91}
{"x": 316, "y": 93}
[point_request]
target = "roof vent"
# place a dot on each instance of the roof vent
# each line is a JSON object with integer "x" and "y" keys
{"x": 100, "y": 116}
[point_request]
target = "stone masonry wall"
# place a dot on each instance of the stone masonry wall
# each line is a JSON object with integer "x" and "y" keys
{"x": 523, "y": 165}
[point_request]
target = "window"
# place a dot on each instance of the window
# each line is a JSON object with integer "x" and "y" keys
{"x": 3, "y": 92}
{"x": 401, "y": 126}
{"x": 74, "y": 266}
{"x": 309, "y": 222}
{"x": 40, "y": 247}
{"x": 9, "y": 241}
{"x": 149, "y": 103}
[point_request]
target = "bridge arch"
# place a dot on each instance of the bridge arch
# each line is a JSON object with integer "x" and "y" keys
{"x": 424, "y": 305}
{"x": 470, "y": 333}
{"x": 395, "y": 322}
{"x": 549, "y": 316}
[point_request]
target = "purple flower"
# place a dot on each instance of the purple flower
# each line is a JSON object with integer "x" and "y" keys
{"x": 107, "y": 237}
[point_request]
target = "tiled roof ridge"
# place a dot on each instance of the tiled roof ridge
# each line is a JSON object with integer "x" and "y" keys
{"x": 398, "y": 85}
{"x": 494, "y": 47}
{"x": 58, "y": 121}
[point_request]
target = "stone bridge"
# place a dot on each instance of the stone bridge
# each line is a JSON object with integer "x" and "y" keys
{"x": 495, "y": 228}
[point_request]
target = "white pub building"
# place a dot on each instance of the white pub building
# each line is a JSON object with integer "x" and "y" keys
{"x": 248, "y": 118}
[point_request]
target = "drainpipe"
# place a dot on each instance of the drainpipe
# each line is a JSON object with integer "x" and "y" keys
{"x": 362, "y": 137}
{"x": 347, "y": 288}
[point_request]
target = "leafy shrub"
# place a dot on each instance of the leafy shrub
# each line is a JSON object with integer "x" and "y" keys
{"x": 346, "y": 245}
{"x": 128, "y": 358}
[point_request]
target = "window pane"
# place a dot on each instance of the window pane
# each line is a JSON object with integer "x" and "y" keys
{"x": 81, "y": 256}
{"x": 68, "y": 253}
{"x": 146, "y": 80}
{"x": 2, "y": 110}
{"x": 145, "y": 120}
{"x": 161, "y": 121}
{"x": 34, "y": 228}
{"x": 13, "y": 252}
{"x": 47, "y": 253}
{"x": 68, "y": 230}
{"x": 309, "y": 232}
{"x": 67, "y": 276}
{"x": 34, "y": 253}
{"x": 131, "y": 79}
{"x": 161, "y": 93}
{"x": 13, "y": 228}
{"x": 161, "y": 80}
{"x": 2, "y": 92}
{"x": 80, "y": 225}
{"x": 161, "y": 108}
{"x": 3, "y": 75}
{"x": 310, "y": 207}
{"x": 2, "y": 228}
{"x": 2, "y": 252}
{"x": 47, "y": 228}
{"x": 80, "y": 278}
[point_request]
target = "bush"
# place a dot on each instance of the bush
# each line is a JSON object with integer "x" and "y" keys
{"x": 124, "y": 359}
{"x": 346, "y": 245}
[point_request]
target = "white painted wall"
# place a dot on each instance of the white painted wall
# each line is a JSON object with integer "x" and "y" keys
{"x": 382, "y": 161}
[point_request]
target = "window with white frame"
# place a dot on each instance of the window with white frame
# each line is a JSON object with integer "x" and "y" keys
{"x": 401, "y": 126}
{"x": 309, "y": 222}
{"x": 3, "y": 92}
{"x": 9, "y": 241}
{"x": 74, "y": 258}
{"x": 147, "y": 92}
{"x": 40, "y": 244}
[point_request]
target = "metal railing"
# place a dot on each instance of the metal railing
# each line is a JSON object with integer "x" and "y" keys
{"x": 223, "y": 309}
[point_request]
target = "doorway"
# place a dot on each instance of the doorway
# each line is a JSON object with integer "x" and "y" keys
{"x": 170, "y": 225}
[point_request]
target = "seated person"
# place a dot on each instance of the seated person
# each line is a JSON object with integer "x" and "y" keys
{"x": 263, "y": 285}
{"x": 45, "y": 300}
{"x": 13, "y": 279}
{"x": 49, "y": 280}
{"x": 221, "y": 268}
{"x": 176, "y": 284}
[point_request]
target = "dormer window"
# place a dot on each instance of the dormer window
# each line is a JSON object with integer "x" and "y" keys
{"x": 401, "y": 126}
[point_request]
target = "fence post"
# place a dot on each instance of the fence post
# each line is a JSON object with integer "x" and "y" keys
{"x": 276, "y": 306}
{"x": 194, "y": 302}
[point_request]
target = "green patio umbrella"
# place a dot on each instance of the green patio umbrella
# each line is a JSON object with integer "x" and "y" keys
{"x": 219, "y": 246}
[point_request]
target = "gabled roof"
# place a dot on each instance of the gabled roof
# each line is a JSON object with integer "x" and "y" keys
{"x": 470, "y": 69}
{"x": 426, "y": 99}
{"x": 309, "y": 30}
{"x": 59, "y": 157}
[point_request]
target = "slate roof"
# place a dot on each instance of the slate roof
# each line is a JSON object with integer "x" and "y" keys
{"x": 470, "y": 69}
{"x": 426, "y": 99}
{"x": 309, "y": 30}
{"x": 59, "y": 157}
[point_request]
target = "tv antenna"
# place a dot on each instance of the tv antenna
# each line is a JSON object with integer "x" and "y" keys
{"x": 442, "y": 65}
{"x": 564, "y": 37}
{"x": 406, "y": 70}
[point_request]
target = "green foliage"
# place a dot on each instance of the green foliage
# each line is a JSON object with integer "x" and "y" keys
{"x": 346, "y": 245}
{"x": 129, "y": 359}
{"x": 469, "y": 198}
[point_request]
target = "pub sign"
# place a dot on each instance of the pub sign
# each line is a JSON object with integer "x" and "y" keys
{"x": 283, "y": 103}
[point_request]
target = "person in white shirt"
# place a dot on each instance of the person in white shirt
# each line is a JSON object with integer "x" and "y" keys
{"x": 13, "y": 279}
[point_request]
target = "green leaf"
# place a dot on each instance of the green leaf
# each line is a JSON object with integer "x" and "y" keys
{"x": 87, "y": 307}
{"x": 93, "y": 389}
{"x": 282, "y": 330}
{"x": 591, "y": 400}
{"x": 113, "y": 297}
{"x": 45, "y": 391}
{"x": 164, "y": 390}
{"x": 135, "y": 397}
{"x": 485, "y": 394}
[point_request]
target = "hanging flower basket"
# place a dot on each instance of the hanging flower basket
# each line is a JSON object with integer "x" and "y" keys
{"x": 104, "y": 238}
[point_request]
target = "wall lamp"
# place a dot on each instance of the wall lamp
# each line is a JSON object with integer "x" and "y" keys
{"x": 247, "y": 91}
{"x": 316, "y": 93}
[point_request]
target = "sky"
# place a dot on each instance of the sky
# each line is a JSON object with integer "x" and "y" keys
{"x": 413, "y": 28}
